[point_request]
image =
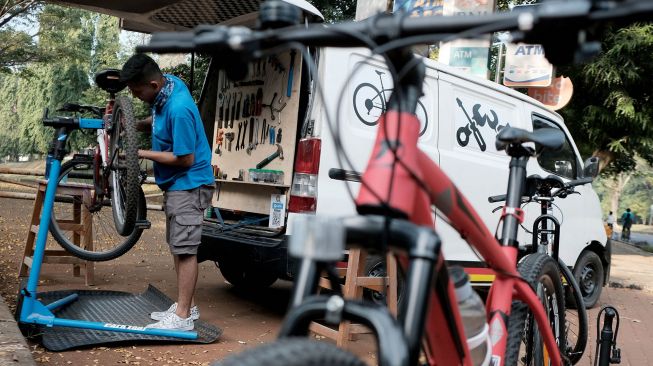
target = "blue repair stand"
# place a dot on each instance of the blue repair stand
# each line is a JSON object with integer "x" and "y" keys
{"x": 33, "y": 311}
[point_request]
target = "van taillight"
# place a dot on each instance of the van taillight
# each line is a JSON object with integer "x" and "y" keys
{"x": 303, "y": 193}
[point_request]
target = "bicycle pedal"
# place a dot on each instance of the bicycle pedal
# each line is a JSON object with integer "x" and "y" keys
{"x": 143, "y": 224}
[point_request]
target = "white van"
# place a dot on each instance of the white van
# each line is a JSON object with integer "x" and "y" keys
{"x": 460, "y": 114}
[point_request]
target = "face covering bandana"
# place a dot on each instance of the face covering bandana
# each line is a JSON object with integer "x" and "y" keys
{"x": 162, "y": 97}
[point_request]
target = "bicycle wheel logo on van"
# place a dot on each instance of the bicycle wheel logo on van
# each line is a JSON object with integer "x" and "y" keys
{"x": 370, "y": 102}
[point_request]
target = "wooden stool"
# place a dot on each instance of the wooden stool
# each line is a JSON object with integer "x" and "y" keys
{"x": 81, "y": 225}
{"x": 355, "y": 283}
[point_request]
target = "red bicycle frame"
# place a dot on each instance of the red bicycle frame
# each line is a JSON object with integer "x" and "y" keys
{"x": 391, "y": 181}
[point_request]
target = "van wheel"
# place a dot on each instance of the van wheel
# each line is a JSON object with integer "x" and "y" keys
{"x": 246, "y": 275}
{"x": 375, "y": 267}
{"x": 590, "y": 276}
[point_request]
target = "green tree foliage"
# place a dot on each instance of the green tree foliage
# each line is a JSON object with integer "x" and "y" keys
{"x": 610, "y": 114}
{"x": 77, "y": 43}
{"x": 17, "y": 47}
{"x": 336, "y": 10}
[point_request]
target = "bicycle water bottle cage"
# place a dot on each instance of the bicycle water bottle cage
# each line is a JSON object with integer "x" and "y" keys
{"x": 542, "y": 186}
{"x": 109, "y": 81}
{"x": 544, "y": 138}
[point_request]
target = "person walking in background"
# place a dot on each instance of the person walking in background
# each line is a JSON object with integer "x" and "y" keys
{"x": 610, "y": 222}
{"x": 626, "y": 223}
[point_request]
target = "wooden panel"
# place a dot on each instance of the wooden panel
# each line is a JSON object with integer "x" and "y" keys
{"x": 245, "y": 197}
{"x": 230, "y": 162}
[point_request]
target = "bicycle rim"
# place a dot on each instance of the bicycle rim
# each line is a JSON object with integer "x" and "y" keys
{"x": 70, "y": 209}
{"x": 124, "y": 180}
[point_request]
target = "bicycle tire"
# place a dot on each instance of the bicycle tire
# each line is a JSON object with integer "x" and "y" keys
{"x": 376, "y": 92}
{"x": 293, "y": 351}
{"x": 575, "y": 316}
{"x": 107, "y": 243}
{"x": 124, "y": 173}
{"x": 541, "y": 271}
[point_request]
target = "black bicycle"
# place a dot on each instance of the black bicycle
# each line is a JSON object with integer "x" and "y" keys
{"x": 546, "y": 239}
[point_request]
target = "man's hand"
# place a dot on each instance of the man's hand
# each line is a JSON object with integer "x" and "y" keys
{"x": 167, "y": 158}
{"x": 144, "y": 125}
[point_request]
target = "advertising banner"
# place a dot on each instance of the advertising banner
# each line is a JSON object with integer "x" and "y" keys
{"x": 470, "y": 56}
{"x": 526, "y": 66}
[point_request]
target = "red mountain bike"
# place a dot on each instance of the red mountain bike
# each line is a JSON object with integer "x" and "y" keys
{"x": 398, "y": 189}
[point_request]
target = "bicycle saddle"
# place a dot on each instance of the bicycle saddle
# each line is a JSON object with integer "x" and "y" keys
{"x": 536, "y": 184}
{"x": 549, "y": 138}
{"x": 109, "y": 81}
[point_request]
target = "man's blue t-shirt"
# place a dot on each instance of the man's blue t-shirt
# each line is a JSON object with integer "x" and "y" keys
{"x": 177, "y": 128}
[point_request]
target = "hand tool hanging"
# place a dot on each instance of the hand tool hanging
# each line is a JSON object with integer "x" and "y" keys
{"x": 225, "y": 99}
{"x": 290, "y": 72}
{"x": 250, "y": 145}
{"x": 233, "y": 108}
{"x": 238, "y": 106}
{"x": 246, "y": 107}
{"x": 240, "y": 126}
{"x": 242, "y": 144}
{"x": 276, "y": 154}
{"x": 227, "y": 108}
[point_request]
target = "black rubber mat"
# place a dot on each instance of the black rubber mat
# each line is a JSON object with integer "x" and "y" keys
{"x": 112, "y": 307}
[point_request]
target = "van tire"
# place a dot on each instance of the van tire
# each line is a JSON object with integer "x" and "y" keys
{"x": 246, "y": 275}
{"x": 375, "y": 267}
{"x": 590, "y": 276}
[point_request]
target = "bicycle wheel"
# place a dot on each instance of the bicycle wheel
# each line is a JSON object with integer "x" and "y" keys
{"x": 575, "y": 316}
{"x": 525, "y": 343}
{"x": 368, "y": 104}
{"x": 124, "y": 170}
{"x": 293, "y": 352}
{"x": 106, "y": 242}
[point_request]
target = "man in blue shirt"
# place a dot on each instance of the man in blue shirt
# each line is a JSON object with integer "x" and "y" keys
{"x": 182, "y": 169}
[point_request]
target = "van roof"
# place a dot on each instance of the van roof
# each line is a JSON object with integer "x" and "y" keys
{"x": 149, "y": 16}
{"x": 489, "y": 84}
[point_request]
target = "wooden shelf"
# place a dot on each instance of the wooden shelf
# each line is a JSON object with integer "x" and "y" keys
{"x": 253, "y": 183}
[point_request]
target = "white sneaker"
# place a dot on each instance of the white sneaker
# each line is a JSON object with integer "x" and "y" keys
{"x": 172, "y": 321}
{"x": 159, "y": 315}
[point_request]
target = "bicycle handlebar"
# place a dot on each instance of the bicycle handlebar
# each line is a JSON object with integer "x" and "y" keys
{"x": 561, "y": 192}
{"x": 71, "y": 122}
{"x": 534, "y": 26}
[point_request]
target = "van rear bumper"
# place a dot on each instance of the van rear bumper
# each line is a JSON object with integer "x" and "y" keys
{"x": 245, "y": 245}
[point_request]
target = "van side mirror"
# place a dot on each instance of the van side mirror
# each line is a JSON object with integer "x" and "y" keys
{"x": 591, "y": 168}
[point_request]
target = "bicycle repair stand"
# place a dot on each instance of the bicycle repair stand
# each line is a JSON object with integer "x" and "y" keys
{"x": 32, "y": 311}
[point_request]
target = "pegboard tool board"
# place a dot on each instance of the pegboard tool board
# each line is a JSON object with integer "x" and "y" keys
{"x": 268, "y": 100}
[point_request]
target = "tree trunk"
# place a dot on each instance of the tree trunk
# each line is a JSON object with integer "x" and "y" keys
{"x": 618, "y": 184}
{"x": 605, "y": 158}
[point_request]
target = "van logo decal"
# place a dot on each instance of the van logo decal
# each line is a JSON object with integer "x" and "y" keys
{"x": 371, "y": 101}
{"x": 477, "y": 119}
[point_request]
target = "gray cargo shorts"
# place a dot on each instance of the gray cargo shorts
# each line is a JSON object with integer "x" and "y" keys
{"x": 184, "y": 215}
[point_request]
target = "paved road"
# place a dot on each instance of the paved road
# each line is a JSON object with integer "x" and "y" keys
{"x": 636, "y": 237}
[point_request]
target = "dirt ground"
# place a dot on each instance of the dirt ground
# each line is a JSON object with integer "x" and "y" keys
{"x": 252, "y": 319}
